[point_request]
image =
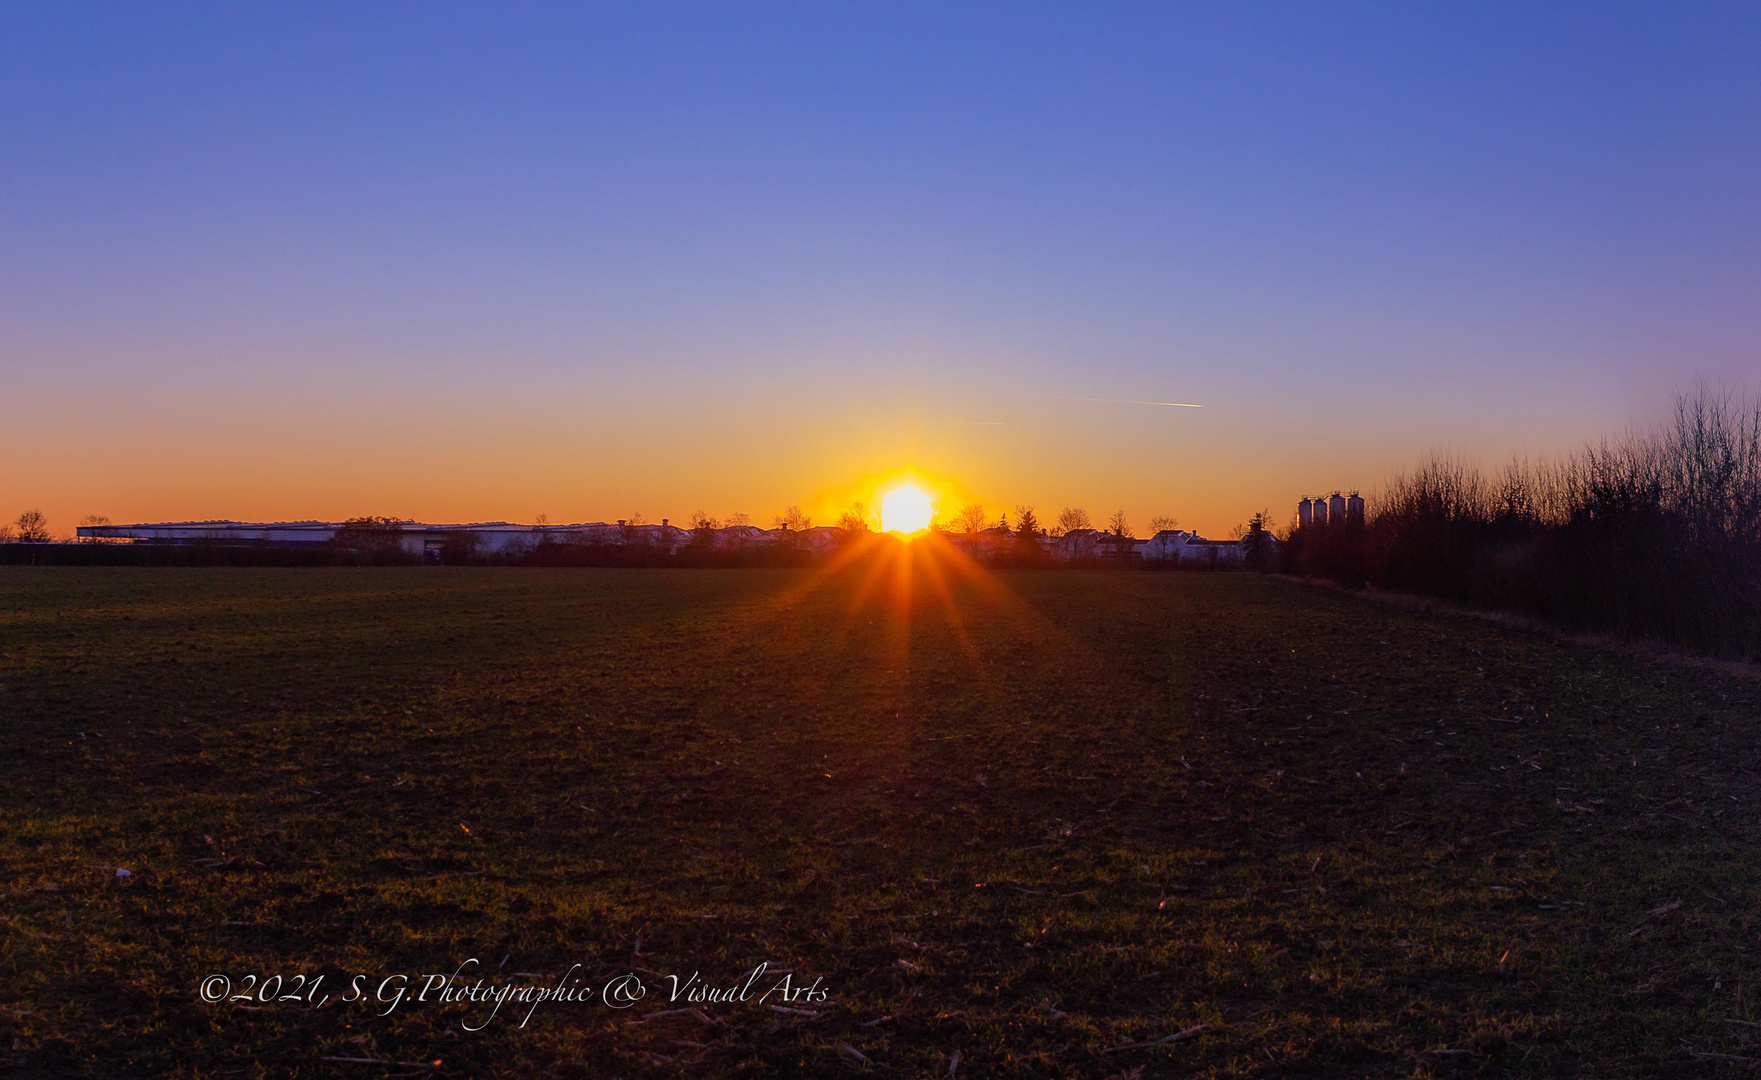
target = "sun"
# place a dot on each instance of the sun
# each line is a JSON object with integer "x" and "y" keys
{"x": 906, "y": 509}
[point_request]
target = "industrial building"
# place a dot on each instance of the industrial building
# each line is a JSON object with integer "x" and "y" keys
{"x": 1334, "y": 509}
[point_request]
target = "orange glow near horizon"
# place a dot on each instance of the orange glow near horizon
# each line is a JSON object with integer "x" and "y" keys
{"x": 907, "y": 509}
{"x": 310, "y": 454}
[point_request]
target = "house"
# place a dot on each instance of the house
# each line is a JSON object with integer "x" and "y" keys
{"x": 1077, "y": 545}
{"x": 1182, "y": 548}
{"x": 741, "y": 537}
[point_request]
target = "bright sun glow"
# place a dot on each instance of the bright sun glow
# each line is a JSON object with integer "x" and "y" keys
{"x": 906, "y": 509}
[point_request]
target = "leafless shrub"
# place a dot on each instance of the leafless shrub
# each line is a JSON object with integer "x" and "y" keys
{"x": 1072, "y": 519}
{"x": 1652, "y": 534}
{"x": 31, "y": 528}
{"x": 377, "y": 540}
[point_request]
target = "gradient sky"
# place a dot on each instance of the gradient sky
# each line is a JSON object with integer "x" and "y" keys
{"x": 478, "y": 262}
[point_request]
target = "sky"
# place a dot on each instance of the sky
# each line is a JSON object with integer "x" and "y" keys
{"x": 485, "y": 262}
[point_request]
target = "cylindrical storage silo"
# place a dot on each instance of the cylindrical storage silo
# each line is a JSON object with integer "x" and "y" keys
{"x": 1336, "y": 508}
{"x": 1305, "y": 513}
{"x": 1354, "y": 508}
{"x": 1320, "y": 513}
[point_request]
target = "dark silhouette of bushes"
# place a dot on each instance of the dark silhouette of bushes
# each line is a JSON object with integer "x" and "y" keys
{"x": 1654, "y": 535}
{"x": 374, "y": 541}
{"x": 201, "y": 553}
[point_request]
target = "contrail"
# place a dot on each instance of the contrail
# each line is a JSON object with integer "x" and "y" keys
{"x": 1061, "y": 397}
{"x": 1129, "y": 401}
{"x": 1072, "y": 397}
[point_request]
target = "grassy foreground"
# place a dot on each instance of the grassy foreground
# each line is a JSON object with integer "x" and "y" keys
{"x": 1024, "y": 824}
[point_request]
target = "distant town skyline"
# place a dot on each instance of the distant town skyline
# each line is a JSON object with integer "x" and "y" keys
{"x": 459, "y": 264}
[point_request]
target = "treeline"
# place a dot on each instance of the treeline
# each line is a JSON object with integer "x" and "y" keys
{"x": 82, "y": 553}
{"x": 376, "y": 545}
{"x": 1654, "y": 535}
{"x": 699, "y": 553}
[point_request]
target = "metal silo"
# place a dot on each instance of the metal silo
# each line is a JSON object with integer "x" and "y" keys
{"x": 1305, "y": 513}
{"x": 1336, "y": 508}
{"x": 1320, "y": 513}
{"x": 1354, "y": 508}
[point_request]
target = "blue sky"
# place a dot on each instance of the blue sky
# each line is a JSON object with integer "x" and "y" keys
{"x": 451, "y": 261}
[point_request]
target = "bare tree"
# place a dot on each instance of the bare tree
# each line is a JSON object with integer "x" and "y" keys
{"x": 853, "y": 523}
{"x": 736, "y": 525}
{"x": 374, "y": 539}
{"x": 1072, "y": 519}
{"x": 967, "y": 524}
{"x": 632, "y": 531}
{"x": 1162, "y": 523}
{"x": 703, "y": 530}
{"x": 1118, "y": 532}
{"x": 794, "y": 520}
{"x": 32, "y": 527}
{"x": 93, "y": 521}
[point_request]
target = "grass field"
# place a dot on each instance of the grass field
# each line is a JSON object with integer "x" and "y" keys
{"x": 1022, "y": 824}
